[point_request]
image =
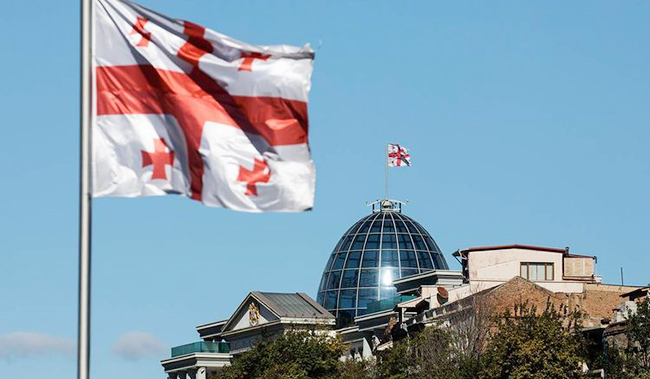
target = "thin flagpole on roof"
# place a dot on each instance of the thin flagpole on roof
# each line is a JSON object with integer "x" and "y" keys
{"x": 387, "y": 157}
{"x": 85, "y": 201}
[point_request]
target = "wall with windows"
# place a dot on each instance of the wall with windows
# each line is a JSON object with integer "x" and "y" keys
{"x": 503, "y": 264}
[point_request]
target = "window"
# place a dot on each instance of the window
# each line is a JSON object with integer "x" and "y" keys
{"x": 389, "y": 258}
{"x": 358, "y": 242}
{"x": 537, "y": 271}
{"x": 408, "y": 259}
{"x": 419, "y": 243}
{"x": 350, "y": 278}
{"x": 370, "y": 259}
{"x": 425, "y": 259}
{"x": 367, "y": 295}
{"x": 389, "y": 241}
{"x": 348, "y": 299}
{"x": 373, "y": 241}
{"x": 369, "y": 278}
{"x": 404, "y": 241}
{"x": 354, "y": 259}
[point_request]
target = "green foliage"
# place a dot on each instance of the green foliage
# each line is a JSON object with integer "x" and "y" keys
{"x": 429, "y": 355}
{"x": 527, "y": 345}
{"x": 357, "y": 369}
{"x": 523, "y": 344}
{"x": 396, "y": 362}
{"x": 638, "y": 333}
{"x": 632, "y": 360}
{"x": 294, "y": 355}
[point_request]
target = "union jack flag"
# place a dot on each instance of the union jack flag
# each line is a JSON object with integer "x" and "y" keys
{"x": 398, "y": 155}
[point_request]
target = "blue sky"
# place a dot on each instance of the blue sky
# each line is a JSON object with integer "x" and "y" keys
{"x": 527, "y": 123}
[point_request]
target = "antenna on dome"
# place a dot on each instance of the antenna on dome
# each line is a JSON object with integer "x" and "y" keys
{"x": 387, "y": 205}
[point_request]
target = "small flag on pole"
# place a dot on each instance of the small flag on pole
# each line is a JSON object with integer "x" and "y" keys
{"x": 181, "y": 109}
{"x": 398, "y": 156}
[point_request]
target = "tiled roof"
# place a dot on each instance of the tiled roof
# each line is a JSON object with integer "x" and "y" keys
{"x": 292, "y": 305}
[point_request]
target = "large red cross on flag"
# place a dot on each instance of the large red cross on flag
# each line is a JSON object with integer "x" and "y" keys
{"x": 183, "y": 109}
{"x": 398, "y": 155}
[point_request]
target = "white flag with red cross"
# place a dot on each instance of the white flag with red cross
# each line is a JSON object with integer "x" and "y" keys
{"x": 183, "y": 109}
{"x": 398, "y": 155}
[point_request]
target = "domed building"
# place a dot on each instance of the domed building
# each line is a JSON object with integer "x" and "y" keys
{"x": 378, "y": 249}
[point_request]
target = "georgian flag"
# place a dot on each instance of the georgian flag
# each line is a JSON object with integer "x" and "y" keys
{"x": 398, "y": 155}
{"x": 185, "y": 110}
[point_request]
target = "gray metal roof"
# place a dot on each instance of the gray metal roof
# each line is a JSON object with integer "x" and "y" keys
{"x": 292, "y": 305}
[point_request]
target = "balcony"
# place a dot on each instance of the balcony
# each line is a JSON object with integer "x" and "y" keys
{"x": 201, "y": 347}
{"x": 385, "y": 304}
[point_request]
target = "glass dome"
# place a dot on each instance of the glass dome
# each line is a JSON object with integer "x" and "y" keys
{"x": 376, "y": 250}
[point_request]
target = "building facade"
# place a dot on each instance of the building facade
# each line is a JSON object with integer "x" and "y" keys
{"x": 387, "y": 278}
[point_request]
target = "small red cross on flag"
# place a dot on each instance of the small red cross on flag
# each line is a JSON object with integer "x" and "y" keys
{"x": 260, "y": 174}
{"x": 249, "y": 58}
{"x": 185, "y": 115}
{"x": 138, "y": 28}
{"x": 398, "y": 156}
{"x": 159, "y": 158}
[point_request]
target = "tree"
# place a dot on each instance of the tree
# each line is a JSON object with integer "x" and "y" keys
{"x": 631, "y": 359}
{"x": 638, "y": 334}
{"x": 529, "y": 345}
{"x": 293, "y": 355}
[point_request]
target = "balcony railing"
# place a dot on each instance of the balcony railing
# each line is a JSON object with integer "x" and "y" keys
{"x": 201, "y": 347}
{"x": 390, "y": 303}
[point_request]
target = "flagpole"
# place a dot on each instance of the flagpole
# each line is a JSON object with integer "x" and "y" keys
{"x": 386, "y": 175}
{"x": 83, "y": 346}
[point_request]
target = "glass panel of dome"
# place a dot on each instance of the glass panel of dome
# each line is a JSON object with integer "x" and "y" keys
{"x": 340, "y": 259}
{"x": 388, "y": 292}
{"x": 338, "y": 245}
{"x": 409, "y": 271}
{"x": 350, "y": 278}
{"x": 323, "y": 282}
{"x": 419, "y": 242}
{"x": 348, "y": 299}
{"x": 373, "y": 241}
{"x": 329, "y": 262}
{"x": 408, "y": 258}
{"x": 425, "y": 259}
{"x": 439, "y": 262}
{"x": 433, "y": 246}
{"x": 369, "y": 278}
{"x": 330, "y": 299}
{"x": 389, "y": 241}
{"x": 376, "y": 226}
{"x": 389, "y": 258}
{"x": 346, "y": 243}
{"x": 354, "y": 258}
{"x": 420, "y": 228}
{"x": 358, "y": 242}
{"x": 404, "y": 241}
{"x": 411, "y": 227}
{"x": 366, "y": 226}
{"x": 388, "y": 225}
{"x": 321, "y": 298}
{"x": 370, "y": 258}
{"x": 367, "y": 295}
{"x": 334, "y": 280}
{"x": 387, "y": 275}
{"x": 399, "y": 225}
